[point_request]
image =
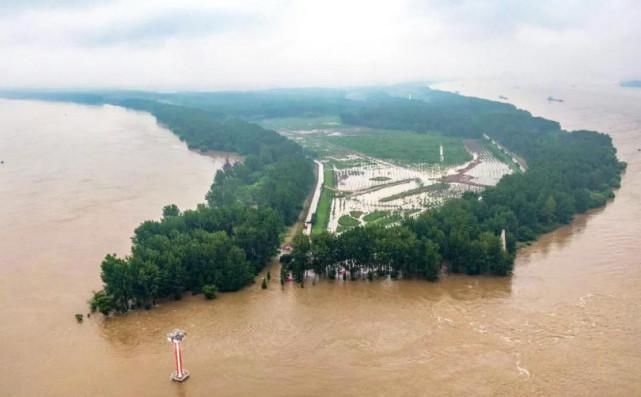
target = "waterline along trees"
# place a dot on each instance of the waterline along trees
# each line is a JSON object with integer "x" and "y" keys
{"x": 220, "y": 245}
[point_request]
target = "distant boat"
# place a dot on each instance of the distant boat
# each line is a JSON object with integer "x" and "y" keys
{"x": 553, "y": 99}
{"x": 503, "y": 97}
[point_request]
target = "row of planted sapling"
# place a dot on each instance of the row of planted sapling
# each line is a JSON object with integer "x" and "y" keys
{"x": 490, "y": 170}
{"x": 383, "y": 186}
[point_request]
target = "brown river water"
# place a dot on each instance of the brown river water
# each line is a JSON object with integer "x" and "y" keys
{"x": 77, "y": 180}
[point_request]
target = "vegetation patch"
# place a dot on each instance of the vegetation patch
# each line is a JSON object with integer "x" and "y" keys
{"x": 356, "y": 214}
{"x": 405, "y": 147}
{"x": 321, "y": 218}
{"x": 374, "y": 216}
{"x": 389, "y": 220}
{"x": 348, "y": 221}
{"x": 380, "y": 179}
{"x": 301, "y": 123}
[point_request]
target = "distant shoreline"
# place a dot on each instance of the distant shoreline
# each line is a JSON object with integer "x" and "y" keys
{"x": 630, "y": 84}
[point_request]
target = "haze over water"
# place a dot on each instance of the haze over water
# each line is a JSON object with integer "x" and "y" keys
{"x": 77, "y": 180}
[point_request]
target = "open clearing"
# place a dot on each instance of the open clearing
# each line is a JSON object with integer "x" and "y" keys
{"x": 405, "y": 147}
{"x": 301, "y": 123}
{"x": 381, "y": 177}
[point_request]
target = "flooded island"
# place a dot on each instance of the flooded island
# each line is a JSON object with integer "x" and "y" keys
{"x": 413, "y": 188}
{"x": 395, "y": 203}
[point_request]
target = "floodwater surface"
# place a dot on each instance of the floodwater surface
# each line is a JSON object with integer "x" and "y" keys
{"x": 77, "y": 180}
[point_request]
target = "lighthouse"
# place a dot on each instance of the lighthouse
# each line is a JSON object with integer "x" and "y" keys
{"x": 176, "y": 338}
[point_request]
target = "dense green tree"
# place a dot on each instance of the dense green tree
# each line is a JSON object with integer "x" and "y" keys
{"x": 430, "y": 264}
{"x": 170, "y": 210}
{"x": 101, "y": 302}
{"x": 325, "y": 253}
{"x": 300, "y": 256}
{"x": 210, "y": 291}
{"x": 118, "y": 281}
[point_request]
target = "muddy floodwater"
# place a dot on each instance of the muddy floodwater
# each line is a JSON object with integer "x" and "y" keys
{"x": 77, "y": 180}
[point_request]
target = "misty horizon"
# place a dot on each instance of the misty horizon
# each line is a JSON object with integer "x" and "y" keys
{"x": 249, "y": 45}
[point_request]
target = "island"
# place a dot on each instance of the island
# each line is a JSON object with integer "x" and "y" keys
{"x": 416, "y": 183}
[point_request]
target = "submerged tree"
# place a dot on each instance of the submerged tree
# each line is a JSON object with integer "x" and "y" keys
{"x": 210, "y": 291}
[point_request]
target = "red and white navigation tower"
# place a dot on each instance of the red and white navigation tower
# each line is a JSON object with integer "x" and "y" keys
{"x": 176, "y": 337}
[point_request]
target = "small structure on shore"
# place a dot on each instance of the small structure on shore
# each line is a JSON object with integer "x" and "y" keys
{"x": 176, "y": 337}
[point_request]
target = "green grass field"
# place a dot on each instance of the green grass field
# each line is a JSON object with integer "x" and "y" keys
{"x": 348, "y": 221}
{"x": 404, "y": 147}
{"x": 376, "y": 215}
{"x": 301, "y": 123}
{"x": 324, "y": 203}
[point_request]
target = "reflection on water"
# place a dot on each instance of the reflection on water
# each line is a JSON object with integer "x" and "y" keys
{"x": 566, "y": 323}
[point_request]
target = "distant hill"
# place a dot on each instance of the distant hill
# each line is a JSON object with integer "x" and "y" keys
{"x": 631, "y": 83}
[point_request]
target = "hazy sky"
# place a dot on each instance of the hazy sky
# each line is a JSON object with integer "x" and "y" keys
{"x": 190, "y": 44}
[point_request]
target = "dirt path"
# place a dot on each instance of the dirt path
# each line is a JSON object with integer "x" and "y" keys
{"x": 300, "y": 222}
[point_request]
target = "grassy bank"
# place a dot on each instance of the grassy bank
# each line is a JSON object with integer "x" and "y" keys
{"x": 300, "y": 123}
{"x": 324, "y": 203}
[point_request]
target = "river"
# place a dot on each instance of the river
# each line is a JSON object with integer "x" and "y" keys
{"x": 76, "y": 181}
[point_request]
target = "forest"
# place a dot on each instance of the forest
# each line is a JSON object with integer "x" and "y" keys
{"x": 223, "y": 244}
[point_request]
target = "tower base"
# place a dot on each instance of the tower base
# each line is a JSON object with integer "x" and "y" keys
{"x": 176, "y": 378}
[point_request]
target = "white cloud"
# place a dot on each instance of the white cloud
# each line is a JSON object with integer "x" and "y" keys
{"x": 245, "y": 44}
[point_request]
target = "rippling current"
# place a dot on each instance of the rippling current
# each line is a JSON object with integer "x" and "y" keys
{"x": 77, "y": 180}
